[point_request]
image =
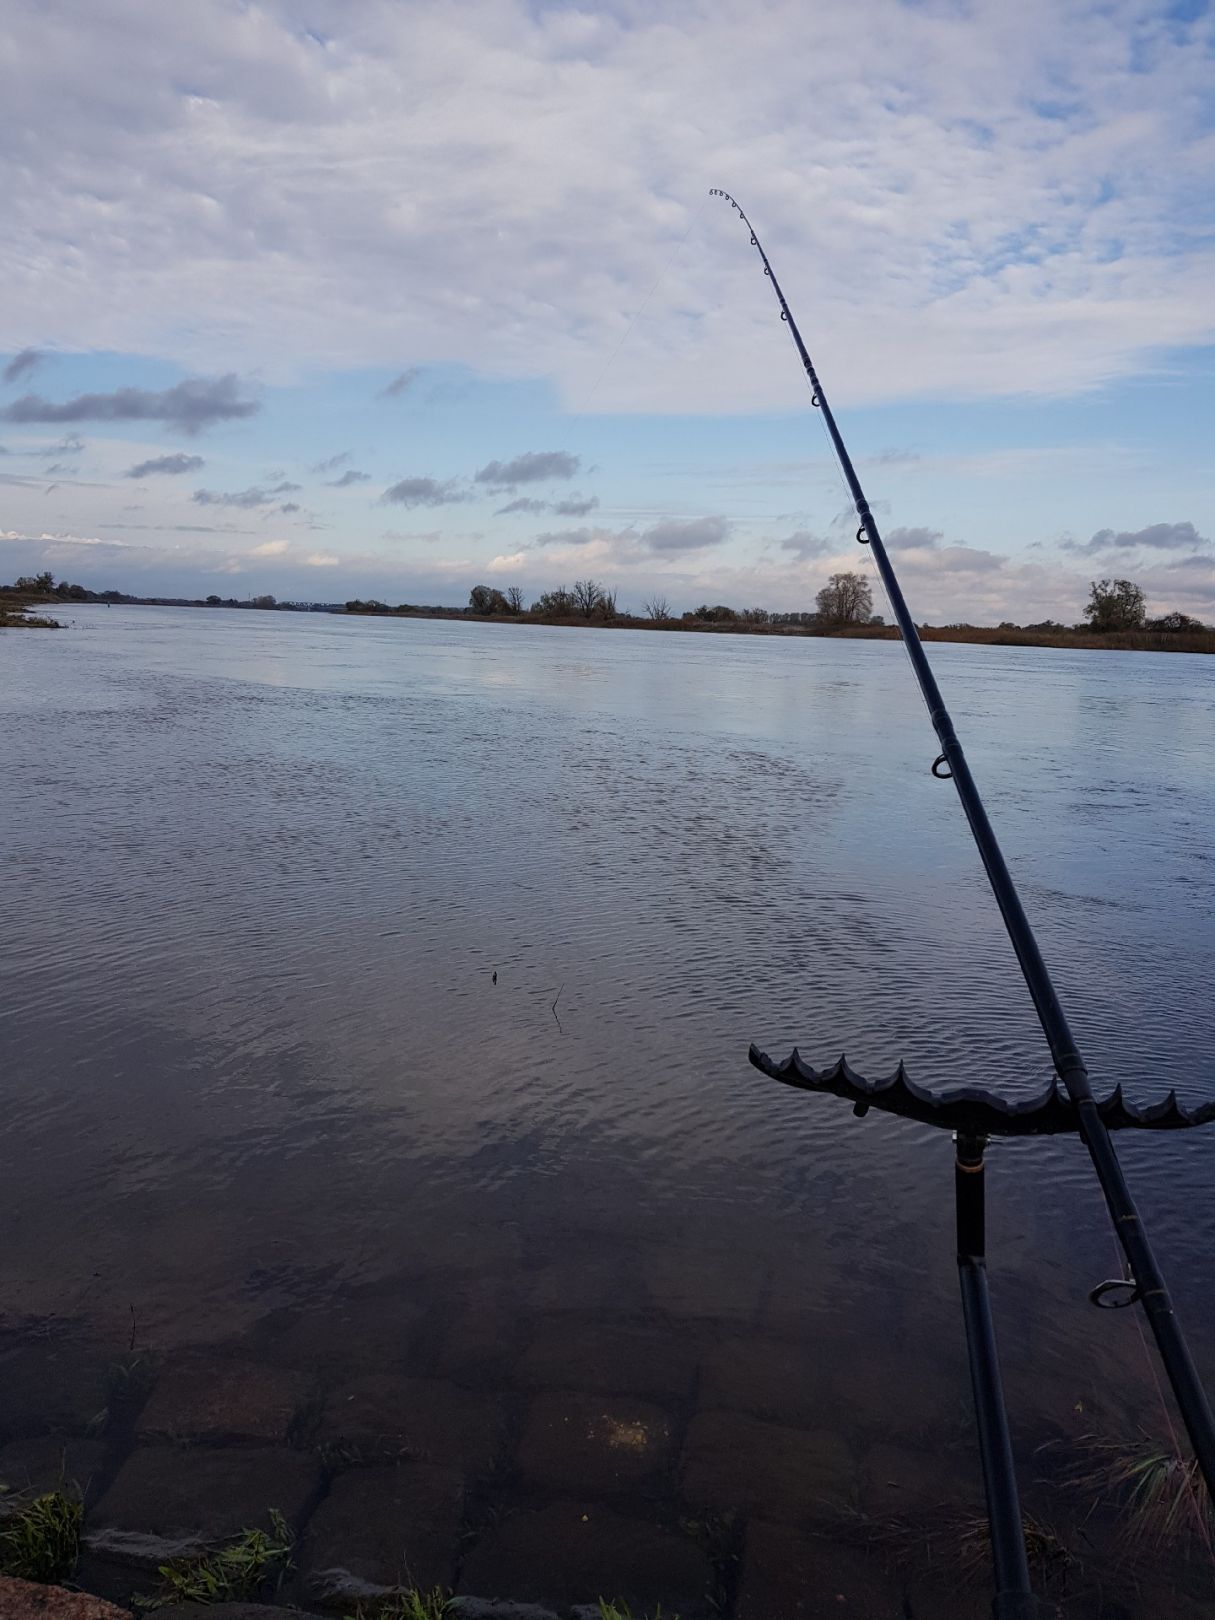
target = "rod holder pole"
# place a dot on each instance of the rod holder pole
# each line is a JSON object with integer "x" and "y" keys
{"x": 1014, "y": 1597}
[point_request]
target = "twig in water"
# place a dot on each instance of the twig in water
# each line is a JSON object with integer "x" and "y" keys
{"x": 556, "y": 999}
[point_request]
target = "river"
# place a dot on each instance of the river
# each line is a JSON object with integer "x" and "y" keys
{"x": 377, "y": 995}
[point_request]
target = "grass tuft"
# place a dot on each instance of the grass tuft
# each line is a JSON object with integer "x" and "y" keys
{"x": 42, "y": 1540}
{"x": 236, "y": 1572}
{"x": 412, "y": 1605}
{"x": 1161, "y": 1496}
{"x": 621, "y": 1611}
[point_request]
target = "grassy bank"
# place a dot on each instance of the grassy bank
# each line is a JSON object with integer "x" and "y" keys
{"x": 15, "y": 615}
{"x": 1188, "y": 641}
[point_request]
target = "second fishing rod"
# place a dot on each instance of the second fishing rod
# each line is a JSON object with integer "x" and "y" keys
{"x": 1150, "y": 1288}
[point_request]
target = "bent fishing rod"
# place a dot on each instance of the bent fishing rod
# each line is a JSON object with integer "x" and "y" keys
{"x": 975, "y": 1114}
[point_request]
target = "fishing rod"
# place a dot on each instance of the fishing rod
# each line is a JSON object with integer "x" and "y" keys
{"x": 975, "y": 1115}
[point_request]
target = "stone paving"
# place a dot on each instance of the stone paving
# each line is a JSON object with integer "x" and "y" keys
{"x": 700, "y": 1469}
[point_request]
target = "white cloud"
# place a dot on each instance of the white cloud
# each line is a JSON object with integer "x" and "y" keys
{"x": 271, "y": 548}
{"x": 961, "y": 200}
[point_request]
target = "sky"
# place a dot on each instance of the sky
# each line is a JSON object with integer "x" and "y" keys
{"x": 389, "y": 299}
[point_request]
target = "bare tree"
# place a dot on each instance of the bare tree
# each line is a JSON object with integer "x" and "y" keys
{"x": 659, "y": 609}
{"x": 514, "y": 598}
{"x": 846, "y": 599}
{"x": 588, "y": 593}
{"x": 606, "y": 607}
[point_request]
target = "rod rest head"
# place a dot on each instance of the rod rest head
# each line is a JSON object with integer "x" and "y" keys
{"x": 974, "y": 1111}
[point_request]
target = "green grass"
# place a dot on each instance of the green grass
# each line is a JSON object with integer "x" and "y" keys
{"x": 42, "y": 1539}
{"x": 411, "y": 1605}
{"x": 236, "y": 1572}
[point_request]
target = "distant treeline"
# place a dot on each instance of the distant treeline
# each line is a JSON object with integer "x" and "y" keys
{"x": 1115, "y": 616}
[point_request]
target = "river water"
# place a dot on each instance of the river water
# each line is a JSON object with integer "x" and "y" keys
{"x": 261, "y": 1088}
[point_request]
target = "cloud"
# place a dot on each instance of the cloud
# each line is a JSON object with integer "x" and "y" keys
{"x": 693, "y": 534}
{"x": 401, "y": 383}
{"x": 350, "y": 478}
{"x": 805, "y": 545}
{"x": 901, "y": 539}
{"x": 179, "y": 463}
{"x": 22, "y": 364}
{"x": 189, "y": 406}
{"x": 525, "y": 503}
{"x": 70, "y": 445}
{"x": 674, "y": 537}
{"x": 321, "y": 559}
{"x": 532, "y": 467}
{"x": 331, "y": 463}
{"x": 288, "y": 507}
{"x": 270, "y": 548}
{"x": 1156, "y": 537}
{"x": 247, "y": 498}
{"x": 423, "y": 492}
{"x": 576, "y": 506}
{"x": 1040, "y": 248}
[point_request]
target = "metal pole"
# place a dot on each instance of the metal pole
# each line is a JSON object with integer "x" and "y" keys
{"x": 1150, "y": 1284}
{"x": 1014, "y": 1598}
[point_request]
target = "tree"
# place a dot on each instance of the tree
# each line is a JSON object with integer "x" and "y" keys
{"x": 588, "y": 594}
{"x": 1173, "y": 622}
{"x": 558, "y": 604}
{"x": 846, "y": 599}
{"x": 484, "y": 599}
{"x": 514, "y": 599}
{"x": 213, "y": 601}
{"x": 659, "y": 609}
{"x": 1115, "y": 604}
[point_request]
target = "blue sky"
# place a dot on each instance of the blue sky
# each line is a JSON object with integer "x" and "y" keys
{"x": 234, "y": 227}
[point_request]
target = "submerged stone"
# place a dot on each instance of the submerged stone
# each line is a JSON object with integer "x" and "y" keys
{"x": 787, "y": 1576}
{"x": 605, "y": 1359}
{"x": 217, "y": 1398}
{"x": 597, "y": 1444}
{"x": 49, "y": 1463}
{"x": 575, "y": 1553}
{"x": 424, "y": 1419}
{"x": 381, "y": 1529}
{"x": 53, "y": 1385}
{"x": 168, "y": 1503}
{"x": 731, "y": 1462}
{"x": 771, "y": 1379}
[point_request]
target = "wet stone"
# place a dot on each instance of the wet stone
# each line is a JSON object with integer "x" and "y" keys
{"x": 167, "y": 1503}
{"x": 481, "y": 1609}
{"x": 50, "y": 1384}
{"x": 592, "y": 1444}
{"x": 49, "y": 1463}
{"x": 787, "y": 1576}
{"x": 574, "y": 1553}
{"x": 230, "y": 1611}
{"x": 605, "y": 1359}
{"x": 731, "y": 1462}
{"x": 380, "y": 1529}
{"x": 30, "y": 1600}
{"x": 217, "y": 1399}
{"x": 381, "y": 1417}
